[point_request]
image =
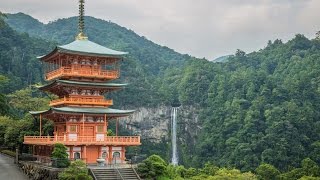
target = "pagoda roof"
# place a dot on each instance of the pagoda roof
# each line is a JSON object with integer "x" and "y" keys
{"x": 85, "y": 47}
{"x": 83, "y": 84}
{"x": 85, "y": 110}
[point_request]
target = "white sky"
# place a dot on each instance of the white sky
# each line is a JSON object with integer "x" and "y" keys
{"x": 202, "y": 28}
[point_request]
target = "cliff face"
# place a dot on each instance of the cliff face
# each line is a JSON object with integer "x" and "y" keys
{"x": 154, "y": 124}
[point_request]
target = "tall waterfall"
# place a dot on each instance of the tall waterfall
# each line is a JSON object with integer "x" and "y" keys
{"x": 174, "y": 159}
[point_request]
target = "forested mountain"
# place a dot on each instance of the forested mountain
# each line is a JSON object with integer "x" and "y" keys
{"x": 145, "y": 63}
{"x": 261, "y": 107}
{"x": 18, "y": 54}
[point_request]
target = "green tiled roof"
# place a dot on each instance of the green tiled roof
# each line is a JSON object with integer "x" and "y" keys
{"x": 81, "y": 83}
{"x": 86, "y": 110}
{"x": 89, "y": 47}
{"x": 86, "y": 47}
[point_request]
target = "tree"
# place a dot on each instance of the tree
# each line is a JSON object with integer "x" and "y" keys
{"x": 267, "y": 172}
{"x": 2, "y": 16}
{"x": 76, "y": 171}
{"x": 60, "y": 156}
{"x": 152, "y": 167}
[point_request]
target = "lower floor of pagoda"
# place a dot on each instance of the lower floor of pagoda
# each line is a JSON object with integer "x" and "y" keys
{"x": 90, "y": 154}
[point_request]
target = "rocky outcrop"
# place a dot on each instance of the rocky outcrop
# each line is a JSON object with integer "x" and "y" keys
{"x": 154, "y": 124}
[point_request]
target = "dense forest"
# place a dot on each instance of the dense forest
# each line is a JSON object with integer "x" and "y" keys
{"x": 257, "y": 110}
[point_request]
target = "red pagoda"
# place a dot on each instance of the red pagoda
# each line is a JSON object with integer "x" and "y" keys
{"x": 79, "y": 73}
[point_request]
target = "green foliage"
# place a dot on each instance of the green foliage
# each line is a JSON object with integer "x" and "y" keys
{"x": 267, "y": 172}
{"x": 110, "y": 132}
{"x": 2, "y": 16}
{"x": 308, "y": 168}
{"x": 152, "y": 167}
{"x": 260, "y": 107}
{"x": 9, "y": 153}
{"x": 60, "y": 156}
{"x": 76, "y": 171}
{"x": 24, "y": 101}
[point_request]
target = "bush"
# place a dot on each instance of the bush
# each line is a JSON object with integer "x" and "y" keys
{"x": 9, "y": 153}
{"x": 152, "y": 167}
{"x": 59, "y": 156}
{"x": 267, "y": 172}
{"x": 76, "y": 171}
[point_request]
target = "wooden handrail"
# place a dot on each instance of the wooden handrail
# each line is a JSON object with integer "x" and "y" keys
{"x": 90, "y": 71}
{"x": 82, "y": 101}
{"x": 112, "y": 140}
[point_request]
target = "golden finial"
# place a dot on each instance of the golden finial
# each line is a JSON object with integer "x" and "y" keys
{"x": 81, "y": 34}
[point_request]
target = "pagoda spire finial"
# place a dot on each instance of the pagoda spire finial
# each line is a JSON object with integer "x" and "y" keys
{"x": 81, "y": 35}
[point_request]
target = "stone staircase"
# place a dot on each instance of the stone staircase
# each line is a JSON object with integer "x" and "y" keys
{"x": 128, "y": 174}
{"x": 115, "y": 174}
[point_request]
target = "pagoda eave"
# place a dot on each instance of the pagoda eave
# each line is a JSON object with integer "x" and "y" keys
{"x": 84, "y": 110}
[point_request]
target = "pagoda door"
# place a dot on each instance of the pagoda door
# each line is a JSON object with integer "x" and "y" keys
{"x": 87, "y": 131}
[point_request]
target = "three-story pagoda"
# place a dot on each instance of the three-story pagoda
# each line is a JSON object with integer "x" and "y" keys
{"x": 79, "y": 73}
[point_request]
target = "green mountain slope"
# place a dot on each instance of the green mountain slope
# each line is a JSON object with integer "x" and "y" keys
{"x": 18, "y": 58}
{"x": 262, "y": 107}
{"x": 152, "y": 57}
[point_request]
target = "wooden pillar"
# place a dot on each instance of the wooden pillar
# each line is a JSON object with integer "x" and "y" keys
{"x": 82, "y": 124}
{"x": 84, "y": 153}
{"x": 99, "y": 152}
{"x": 105, "y": 123}
{"x": 123, "y": 152}
{"x": 110, "y": 155}
{"x": 40, "y": 125}
{"x": 117, "y": 124}
{"x": 71, "y": 152}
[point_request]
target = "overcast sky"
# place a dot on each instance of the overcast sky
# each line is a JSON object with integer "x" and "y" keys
{"x": 202, "y": 28}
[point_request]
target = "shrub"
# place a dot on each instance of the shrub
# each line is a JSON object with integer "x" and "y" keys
{"x": 76, "y": 171}
{"x": 60, "y": 156}
{"x": 152, "y": 167}
{"x": 9, "y": 153}
{"x": 267, "y": 172}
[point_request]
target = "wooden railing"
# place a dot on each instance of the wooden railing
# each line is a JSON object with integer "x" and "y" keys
{"x": 89, "y": 72}
{"x": 81, "y": 101}
{"x": 83, "y": 140}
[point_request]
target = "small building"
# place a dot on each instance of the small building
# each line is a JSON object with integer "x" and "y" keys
{"x": 80, "y": 74}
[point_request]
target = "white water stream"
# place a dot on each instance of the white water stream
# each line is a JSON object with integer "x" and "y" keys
{"x": 174, "y": 159}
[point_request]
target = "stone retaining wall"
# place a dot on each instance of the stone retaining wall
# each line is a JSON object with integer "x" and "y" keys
{"x": 39, "y": 172}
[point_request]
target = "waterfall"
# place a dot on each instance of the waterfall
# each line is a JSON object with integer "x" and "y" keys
{"x": 174, "y": 160}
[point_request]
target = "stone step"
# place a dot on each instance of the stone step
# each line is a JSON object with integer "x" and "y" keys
{"x": 108, "y": 174}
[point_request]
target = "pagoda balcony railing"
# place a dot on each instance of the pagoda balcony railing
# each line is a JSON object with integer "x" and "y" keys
{"x": 82, "y": 101}
{"x": 88, "y": 72}
{"x": 84, "y": 140}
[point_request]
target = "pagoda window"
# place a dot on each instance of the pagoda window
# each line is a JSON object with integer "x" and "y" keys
{"x": 100, "y": 129}
{"x": 73, "y": 128}
{"x": 76, "y": 155}
{"x": 83, "y": 61}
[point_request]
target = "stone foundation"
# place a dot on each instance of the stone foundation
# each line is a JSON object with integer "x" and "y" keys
{"x": 38, "y": 172}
